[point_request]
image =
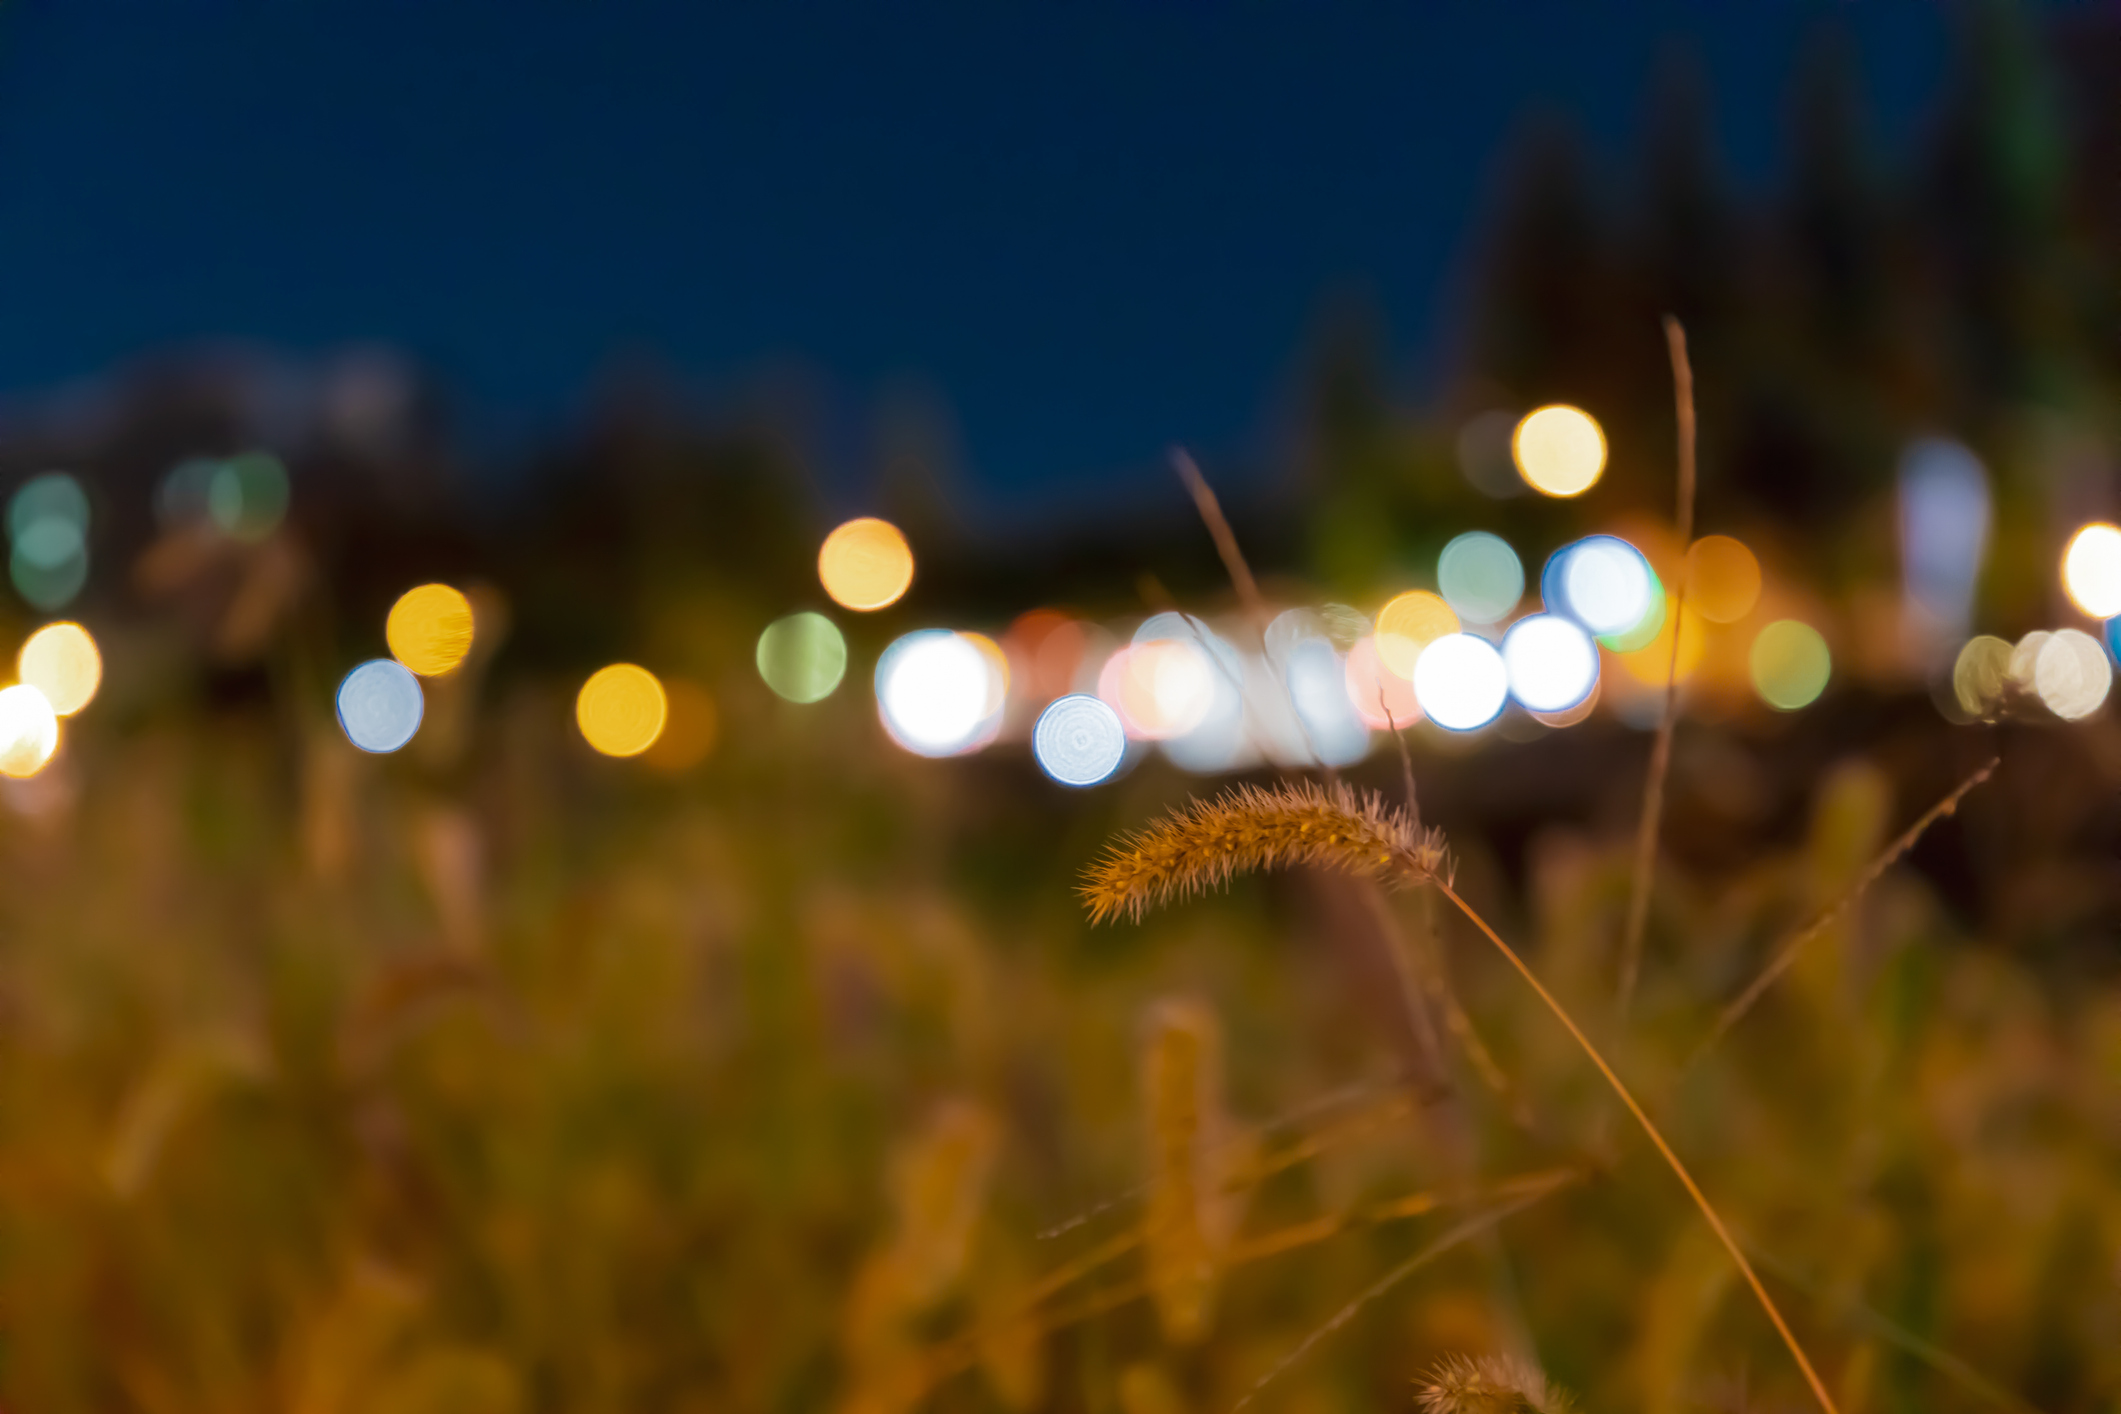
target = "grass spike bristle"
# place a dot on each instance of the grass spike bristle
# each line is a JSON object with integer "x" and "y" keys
{"x": 1204, "y": 844}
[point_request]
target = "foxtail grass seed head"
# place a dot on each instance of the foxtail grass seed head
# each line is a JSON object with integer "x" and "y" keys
{"x": 1205, "y": 844}
{"x": 1490, "y": 1384}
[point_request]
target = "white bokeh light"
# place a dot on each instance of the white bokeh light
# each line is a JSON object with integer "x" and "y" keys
{"x": 1461, "y": 682}
{"x": 1551, "y": 663}
{"x": 1079, "y": 740}
{"x": 2091, "y": 570}
{"x": 2071, "y": 674}
{"x": 1604, "y": 584}
{"x": 934, "y": 689}
{"x": 29, "y": 730}
{"x": 380, "y": 705}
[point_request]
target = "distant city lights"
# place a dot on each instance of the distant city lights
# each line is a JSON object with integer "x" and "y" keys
{"x": 1551, "y": 663}
{"x": 1383, "y": 699}
{"x": 934, "y": 690}
{"x": 1461, "y": 682}
{"x": 1944, "y": 530}
{"x": 1981, "y": 674}
{"x": 802, "y": 657}
{"x": 621, "y": 709}
{"x": 2091, "y": 570}
{"x": 1790, "y": 665}
{"x": 47, "y": 527}
{"x": 1161, "y": 688}
{"x": 29, "y": 731}
{"x": 1480, "y": 576}
{"x": 61, "y": 661}
{"x": 2072, "y": 674}
{"x": 1723, "y": 579}
{"x": 1604, "y": 584}
{"x": 429, "y": 629}
{"x": 1410, "y": 623}
{"x": 1079, "y": 740}
{"x": 380, "y": 705}
{"x": 1560, "y": 450}
{"x": 865, "y": 564}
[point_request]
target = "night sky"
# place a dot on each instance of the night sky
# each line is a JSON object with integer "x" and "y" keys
{"x": 1092, "y": 228}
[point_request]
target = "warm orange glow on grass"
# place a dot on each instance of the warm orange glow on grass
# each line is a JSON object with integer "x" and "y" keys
{"x": 429, "y": 629}
{"x": 1723, "y": 579}
{"x": 1410, "y": 623}
{"x": 1560, "y": 450}
{"x": 60, "y": 660}
{"x": 621, "y": 710}
{"x": 865, "y": 564}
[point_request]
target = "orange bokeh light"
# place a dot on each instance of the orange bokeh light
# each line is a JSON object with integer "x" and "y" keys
{"x": 866, "y": 564}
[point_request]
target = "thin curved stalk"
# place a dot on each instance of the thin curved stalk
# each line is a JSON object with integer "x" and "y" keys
{"x": 1686, "y": 1179}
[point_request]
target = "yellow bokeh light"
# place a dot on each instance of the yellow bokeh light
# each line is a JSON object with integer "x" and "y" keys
{"x": 691, "y": 725}
{"x": 1723, "y": 579}
{"x": 429, "y": 629}
{"x": 1560, "y": 450}
{"x": 29, "y": 730}
{"x": 60, "y": 660}
{"x": 2091, "y": 570}
{"x": 1410, "y": 623}
{"x": 1791, "y": 665}
{"x": 865, "y": 564}
{"x": 621, "y": 709}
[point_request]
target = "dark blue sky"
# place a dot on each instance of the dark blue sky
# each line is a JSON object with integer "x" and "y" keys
{"x": 1095, "y": 227}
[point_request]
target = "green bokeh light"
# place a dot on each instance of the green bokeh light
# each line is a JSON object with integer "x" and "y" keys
{"x": 802, "y": 657}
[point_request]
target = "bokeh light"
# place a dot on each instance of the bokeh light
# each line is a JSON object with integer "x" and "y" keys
{"x": 1461, "y": 682}
{"x": 1383, "y": 699}
{"x": 933, "y": 688}
{"x": 47, "y": 526}
{"x": 621, "y": 709}
{"x": 997, "y": 673}
{"x": 1790, "y": 664}
{"x": 380, "y": 705}
{"x": 1079, "y": 740}
{"x": 802, "y": 657}
{"x": 1560, "y": 450}
{"x": 1723, "y": 579}
{"x": 1409, "y": 623}
{"x": 865, "y": 564}
{"x": 1162, "y": 688}
{"x": 61, "y": 661}
{"x": 1603, "y": 583}
{"x": 1944, "y": 526}
{"x": 1480, "y": 576}
{"x": 1225, "y": 735}
{"x": 1551, "y": 663}
{"x": 1333, "y": 733}
{"x": 247, "y": 495}
{"x": 2072, "y": 674}
{"x": 1048, "y": 646}
{"x": 2091, "y": 570}
{"x": 2025, "y": 659}
{"x": 429, "y": 629}
{"x": 691, "y": 726}
{"x": 1647, "y": 627}
{"x": 29, "y": 730}
{"x": 1980, "y": 675}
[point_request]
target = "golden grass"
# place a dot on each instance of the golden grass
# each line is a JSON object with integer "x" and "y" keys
{"x": 1205, "y": 844}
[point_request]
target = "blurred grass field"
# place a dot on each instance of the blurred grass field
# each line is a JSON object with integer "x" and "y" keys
{"x": 515, "y": 1082}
